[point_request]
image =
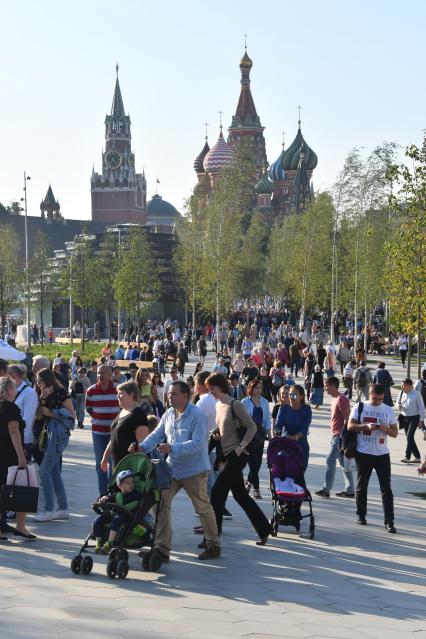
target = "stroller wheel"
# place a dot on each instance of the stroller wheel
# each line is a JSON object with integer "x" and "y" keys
{"x": 123, "y": 554}
{"x": 311, "y": 531}
{"x": 87, "y": 565}
{"x": 76, "y": 564}
{"x": 145, "y": 561}
{"x": 122, "y": 569}
{"x": 154, "y": 563}
{"x": 274, "y": 527}
{"x": 114, "y": 554}
{"x": 112, "y": 568}
{"x": 297, "y": 526}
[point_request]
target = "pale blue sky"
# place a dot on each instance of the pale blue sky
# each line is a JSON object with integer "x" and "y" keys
{"x": 356, "y": 67}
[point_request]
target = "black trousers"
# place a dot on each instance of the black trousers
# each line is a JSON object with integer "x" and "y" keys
{"x": 403, "y": 354}
{"x": 365, "y": 465}
{"x": 255, "y": 462}
{"x": 410, "y": 427}
{"x": 231, "y": 479}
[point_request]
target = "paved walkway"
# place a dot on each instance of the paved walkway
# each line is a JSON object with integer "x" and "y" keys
{"x": 349, "y": 582}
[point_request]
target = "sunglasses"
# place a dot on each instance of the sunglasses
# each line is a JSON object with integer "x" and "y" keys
{"x": 293, "y": 395}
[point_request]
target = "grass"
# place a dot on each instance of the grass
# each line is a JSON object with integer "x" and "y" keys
{"x": 92, "y": 350}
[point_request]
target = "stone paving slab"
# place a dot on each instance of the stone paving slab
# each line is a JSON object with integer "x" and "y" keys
{"x": 348, "y": 582}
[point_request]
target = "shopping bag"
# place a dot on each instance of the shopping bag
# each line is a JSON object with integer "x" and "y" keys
{"x": 24, "y": 476}
{"x": 162, "y": 474}
{"x": 20, "y": 499}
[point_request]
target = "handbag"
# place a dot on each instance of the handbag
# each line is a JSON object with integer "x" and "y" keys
{"x": 20, "y": 499}
{"x": 348, "y": 439}
{"x": 162, "y": 474}
{"x": 42, "y": 439}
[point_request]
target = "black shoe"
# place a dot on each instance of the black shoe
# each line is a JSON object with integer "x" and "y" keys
{"x": 390, "y": 528}
{"x": 6, "y": 529}
{"x": 227, "y": 514}
{"x": 362, "y": 521}
{"x": 18, "y": 533}
{"x": 344, "y": 493}
{"x": 203, "y": 544}
{"x": 322, "y": 493}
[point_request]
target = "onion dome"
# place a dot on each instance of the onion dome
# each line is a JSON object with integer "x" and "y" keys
{"x": 219, "y": 155}
{"x": 264, "y": 186}
{"x": 198, "y": 162}
{"x": 290, "y": 158}
{"x": 246, "y": 62}
{"x": 276, "y": 171}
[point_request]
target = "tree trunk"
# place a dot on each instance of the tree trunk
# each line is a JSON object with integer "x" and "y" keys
{"x": 409, "y": 357}
{"x": 83, "y": 315}
{"x": 217, "y": 319}
{"x": 419, "y": 343}
{"x": 365, "y": 327}
{"x": 193, "y": 308}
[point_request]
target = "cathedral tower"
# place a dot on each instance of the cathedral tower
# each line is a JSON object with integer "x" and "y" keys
{"x": 245, "y": 125}
{"x": 118, "y": 193}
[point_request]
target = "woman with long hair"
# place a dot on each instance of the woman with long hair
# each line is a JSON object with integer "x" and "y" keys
{"x": 57, "y": 410}
{"x": 293, "y": 420}
{"x": 230, "y": 414}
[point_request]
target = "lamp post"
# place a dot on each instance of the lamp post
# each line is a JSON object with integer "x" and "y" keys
{"x": 27, "y": 275}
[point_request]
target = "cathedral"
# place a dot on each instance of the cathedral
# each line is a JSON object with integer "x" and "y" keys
{"x": 283, "y": 187}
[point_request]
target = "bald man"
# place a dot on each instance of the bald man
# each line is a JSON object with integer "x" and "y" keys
{"x": 102, "y": 406}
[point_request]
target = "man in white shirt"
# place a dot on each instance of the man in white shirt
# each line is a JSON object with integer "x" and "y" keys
{"x": 373, "y": 421}
{"x": 412, "y": 415}
{"x": 27, "y": 402}
{"x": 402, "y": 345}
{"x": 220, "y": 367}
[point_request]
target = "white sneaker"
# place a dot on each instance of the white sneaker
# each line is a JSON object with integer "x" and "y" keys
{"x": 49, "y": 515}
{"x": 61, "y": 514}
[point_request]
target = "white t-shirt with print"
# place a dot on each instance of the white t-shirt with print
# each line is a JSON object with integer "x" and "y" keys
{"x": 375, "y": 441}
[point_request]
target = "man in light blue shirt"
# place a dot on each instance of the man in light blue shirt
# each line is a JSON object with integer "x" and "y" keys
{"x": 182, "y": 434}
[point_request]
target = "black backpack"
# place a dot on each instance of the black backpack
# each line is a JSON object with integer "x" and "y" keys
{"x": 259, "y": 437}
{"x": 348, "y": 438}
{"x": 362, "y": 379}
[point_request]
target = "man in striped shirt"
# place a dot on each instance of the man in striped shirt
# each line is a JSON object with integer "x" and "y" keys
{"x": 102, "y": 406}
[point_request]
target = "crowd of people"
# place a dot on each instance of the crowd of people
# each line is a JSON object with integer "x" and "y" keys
{"x": 267, "y": 381}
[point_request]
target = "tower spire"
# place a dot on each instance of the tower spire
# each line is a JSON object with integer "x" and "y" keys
{"x": 299, "y": 121}
{"x": 117, "y": 109}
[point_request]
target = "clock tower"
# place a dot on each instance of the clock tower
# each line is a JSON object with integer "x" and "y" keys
{"x": 118, "y": 193}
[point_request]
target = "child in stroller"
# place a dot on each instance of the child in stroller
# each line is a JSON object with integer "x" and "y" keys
{"x": 127, "y": 497}
{"x": 287, "y": 485}
{"x": 125, "y": 521}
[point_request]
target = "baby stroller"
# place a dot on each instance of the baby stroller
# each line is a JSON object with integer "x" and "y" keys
{"x": 147, "y": 478}
{"x": 287, "y": 485}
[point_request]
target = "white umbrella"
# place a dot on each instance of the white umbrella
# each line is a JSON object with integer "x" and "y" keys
{"x": 8, "y": 352}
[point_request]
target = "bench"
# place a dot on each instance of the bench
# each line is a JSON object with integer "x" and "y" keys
{"x": 124, "y": 363}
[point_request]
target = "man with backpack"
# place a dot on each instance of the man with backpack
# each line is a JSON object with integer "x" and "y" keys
{"x": 362, "y": 381}
{"x": 373, "y": 422}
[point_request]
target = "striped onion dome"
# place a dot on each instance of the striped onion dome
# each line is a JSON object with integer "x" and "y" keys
{"x": 198, "y": 162}
{"x": 290, "y": 158}
{"x": 219, "y": 155}
{"x": 264, "y": 186}
{"x": 276, "y": 171}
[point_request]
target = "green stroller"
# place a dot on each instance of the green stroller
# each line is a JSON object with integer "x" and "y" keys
{"x": 149, "y": 476}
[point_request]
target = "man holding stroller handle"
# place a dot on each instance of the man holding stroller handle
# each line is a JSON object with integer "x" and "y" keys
{"x": 373, "y": 421}
{"x": 340, "y": 411}
{"x": 182, "y": 434}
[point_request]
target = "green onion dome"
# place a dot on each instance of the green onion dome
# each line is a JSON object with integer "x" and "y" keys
{"x": 291, "y": 156}
{"x": 264, "y": 186}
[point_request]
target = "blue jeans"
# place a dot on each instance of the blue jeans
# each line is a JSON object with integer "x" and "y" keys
{"x": 331, "y": 460}
{"x": 50, "y": 476}
{"x": 100, "y": 442}
{"x": 79, "y": 404}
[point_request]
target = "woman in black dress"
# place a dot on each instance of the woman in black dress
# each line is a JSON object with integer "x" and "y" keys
{"x": 131, "y": 425}
{"x": 11, "y": 450}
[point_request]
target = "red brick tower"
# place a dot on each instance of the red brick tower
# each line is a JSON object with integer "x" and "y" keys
{"x": 118, "y": 193}
{"x": 245, "y": 125}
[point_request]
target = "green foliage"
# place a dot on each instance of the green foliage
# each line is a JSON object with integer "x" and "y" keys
{"x": 136, "y": 282}
{"x": 300, "y": 256}
{"x": 252, "y": 264}
{"x": 12, "y": 274}
{"x": 406, "y": 264}
{"x": 42, "y": 277}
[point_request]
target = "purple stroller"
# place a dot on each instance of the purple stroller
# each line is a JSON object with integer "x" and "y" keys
{"x": 285, "y": 460}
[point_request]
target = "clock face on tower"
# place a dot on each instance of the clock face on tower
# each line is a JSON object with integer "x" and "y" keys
{"x": 113, "y": 159}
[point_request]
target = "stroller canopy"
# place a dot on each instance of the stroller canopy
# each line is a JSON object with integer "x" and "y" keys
{"x": 285, "y": 458}
{"x": 141, "y": 466}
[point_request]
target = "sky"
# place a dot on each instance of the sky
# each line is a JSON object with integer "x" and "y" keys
{"x": 356, "y": 67}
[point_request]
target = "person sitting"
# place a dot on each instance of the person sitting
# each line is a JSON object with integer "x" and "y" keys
{"x": 119, "y": 352}
{"x": 127, "y": 497}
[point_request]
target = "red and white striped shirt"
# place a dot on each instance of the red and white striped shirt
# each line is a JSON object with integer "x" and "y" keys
{"x": 104, "y": 407}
